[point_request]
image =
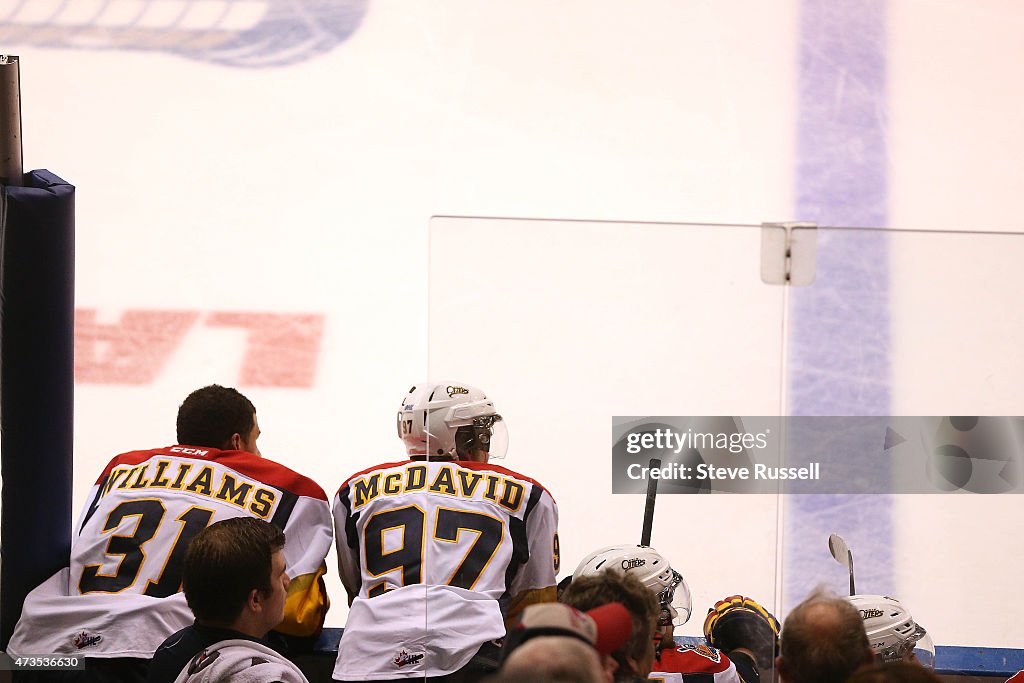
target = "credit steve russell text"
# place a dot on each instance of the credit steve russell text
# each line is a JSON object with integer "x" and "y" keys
{"x": 707, "y": 472}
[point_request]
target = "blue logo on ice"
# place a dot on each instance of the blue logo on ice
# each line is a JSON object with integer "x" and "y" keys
{"x": 250, "y": 34}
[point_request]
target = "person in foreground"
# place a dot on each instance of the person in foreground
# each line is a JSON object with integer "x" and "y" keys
{"x": 235, "y": 584}
{"x": 555, "y": 642}
{"x": 894, "y": 672}
{"x": 823, "y": 641}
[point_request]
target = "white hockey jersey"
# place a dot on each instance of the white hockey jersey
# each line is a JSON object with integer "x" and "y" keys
{"x": 240, "y": 661}
{"x": 121, "y": 597}
{"x": 434, "y": 555}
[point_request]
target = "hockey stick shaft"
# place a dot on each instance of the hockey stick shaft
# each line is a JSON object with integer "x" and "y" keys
{"x": 849, "y": 557}
{"x": 652, "y": 494}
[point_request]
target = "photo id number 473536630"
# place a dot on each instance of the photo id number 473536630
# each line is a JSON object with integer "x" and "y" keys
{"x": 42, "y": 663}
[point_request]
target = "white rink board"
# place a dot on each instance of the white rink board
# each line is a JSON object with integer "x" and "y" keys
{"x": 309, "y": 187}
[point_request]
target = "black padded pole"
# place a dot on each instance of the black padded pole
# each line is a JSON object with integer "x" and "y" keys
{"x": 37, "y": 249}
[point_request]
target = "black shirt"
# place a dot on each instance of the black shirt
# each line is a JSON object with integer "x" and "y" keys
{"x": 177, "y": 651}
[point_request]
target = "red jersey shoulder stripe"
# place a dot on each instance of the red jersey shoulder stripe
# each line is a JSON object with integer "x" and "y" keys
{"x": 469, "y": 464}
{"x": 272, "y": 472}
{"x": 249, "y": 464}
{"x": 131, "y": 458}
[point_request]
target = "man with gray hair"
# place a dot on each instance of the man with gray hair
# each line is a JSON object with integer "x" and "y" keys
{"x": 823, "y": 641}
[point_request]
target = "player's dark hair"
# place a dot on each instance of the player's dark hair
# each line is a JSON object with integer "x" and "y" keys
{"x": 587, "y": 592}
{"x": 823, "y": 640}
{"x": 211, "y": 415}
{"x": 897, "y": 672}
{"x": 225, "y": 562}
{"x": 469, "y": 438}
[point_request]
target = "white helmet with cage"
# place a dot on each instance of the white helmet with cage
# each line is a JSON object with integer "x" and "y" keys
{"x": 892, "y": 631}
{"x": 652, "y": 569}
{"x": 450, "y": 420}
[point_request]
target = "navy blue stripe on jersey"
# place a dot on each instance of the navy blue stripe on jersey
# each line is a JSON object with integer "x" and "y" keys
{"x": 532, "y": 502}
{"x": 520, "y": 542}
{"x": 351, "y": 531}
{"x": 520, "y": 554}
{"x": 95, "y": 503}
{"x": 284, "y": 509}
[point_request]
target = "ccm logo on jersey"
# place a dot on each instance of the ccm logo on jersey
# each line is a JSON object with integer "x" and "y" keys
{"x": 189, "y": 451}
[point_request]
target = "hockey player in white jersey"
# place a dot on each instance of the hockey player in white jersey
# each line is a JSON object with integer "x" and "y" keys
{"x": 438, "y": 551}
{"x": 120, "y": 597}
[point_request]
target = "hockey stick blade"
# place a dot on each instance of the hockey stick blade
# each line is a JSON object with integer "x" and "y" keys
{"x": 652, "y": 493}
{"x": 843, "y": 555}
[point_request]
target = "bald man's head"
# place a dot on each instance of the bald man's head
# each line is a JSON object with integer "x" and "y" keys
{"x": 562, "y": 659}
{"x": 823, "y": 640}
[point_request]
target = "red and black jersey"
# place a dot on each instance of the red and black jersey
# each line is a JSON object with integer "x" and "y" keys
{"x": 694, "y": 663}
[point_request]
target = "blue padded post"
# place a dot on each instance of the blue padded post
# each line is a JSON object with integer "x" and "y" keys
{"x": 37, "y": 248}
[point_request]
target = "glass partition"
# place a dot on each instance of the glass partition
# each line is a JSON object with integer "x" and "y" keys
{"x": 569, "y": 324}
{"x": 915, "y": 323}
{"x": 566, "y": 324}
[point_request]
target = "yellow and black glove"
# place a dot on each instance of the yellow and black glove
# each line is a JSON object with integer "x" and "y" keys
{"x": 739, "y": 622}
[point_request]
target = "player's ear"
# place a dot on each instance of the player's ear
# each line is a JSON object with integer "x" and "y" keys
{"x": 254, "y": 602}
{"x": 235, "y": 442}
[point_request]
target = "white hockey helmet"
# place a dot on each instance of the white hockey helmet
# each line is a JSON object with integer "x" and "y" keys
{"x": 653, "y": 571}
{"x": 892, "y": 632}
{"x": 450, "y": 419}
